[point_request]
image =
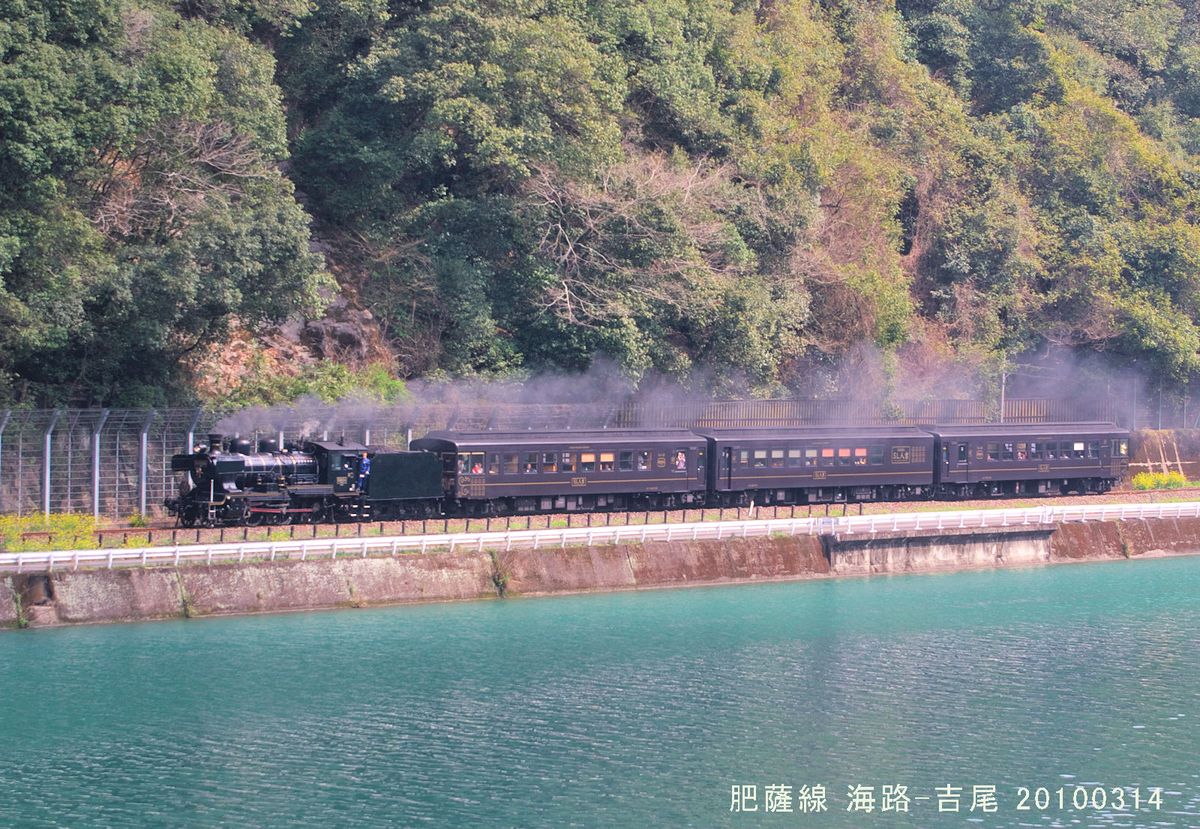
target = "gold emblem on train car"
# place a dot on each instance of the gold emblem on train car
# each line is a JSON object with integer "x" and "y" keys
{"x": 819, "y": 475}
{"x": 1043, "y": 467}
{"x": 579, "y": 482}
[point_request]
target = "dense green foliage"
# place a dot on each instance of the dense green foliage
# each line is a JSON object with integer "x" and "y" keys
{"x": 142, "y": 207}
{"x": 754, "y": 190}
{"x": 324, "y": 380}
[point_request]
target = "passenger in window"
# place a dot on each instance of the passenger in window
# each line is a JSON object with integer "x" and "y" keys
{"x": 680, "y": 461}
{"x": 477, "y": 468}
{"x": 643, "y": 461}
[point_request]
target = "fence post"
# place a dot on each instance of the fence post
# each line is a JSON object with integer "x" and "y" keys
{"x": 96, "y": 430}
{"x": 191, "y": 432}
{"x": 47, "y": 437}
{"x": 4, "y": 418}
{"x": 143, "y": 460}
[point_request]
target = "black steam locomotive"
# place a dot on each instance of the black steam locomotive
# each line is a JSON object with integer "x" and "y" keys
{"x": 227, "y": 483}
{"x": 490, "y": 473}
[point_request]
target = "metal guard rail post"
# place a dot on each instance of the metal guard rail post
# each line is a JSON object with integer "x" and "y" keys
{"x": 561, "y": 538}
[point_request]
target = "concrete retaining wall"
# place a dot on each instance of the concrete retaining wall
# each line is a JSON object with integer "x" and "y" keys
{"x": 169, "y": 592}
{"x": 857, "y": 556}
{"x": 8, "y": 603}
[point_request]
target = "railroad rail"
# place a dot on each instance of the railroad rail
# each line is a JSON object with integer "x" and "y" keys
{"x": 333, "y": 548}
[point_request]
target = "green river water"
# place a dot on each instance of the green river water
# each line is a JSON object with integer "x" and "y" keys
{"x": 632, "y": 709}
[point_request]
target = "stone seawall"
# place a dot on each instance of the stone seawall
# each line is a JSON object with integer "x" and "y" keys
{"x": 88, "y": 596}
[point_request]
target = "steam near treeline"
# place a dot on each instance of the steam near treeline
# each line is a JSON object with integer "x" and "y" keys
{"x": 592, "y": 398}
{"x": 201, "y": 202}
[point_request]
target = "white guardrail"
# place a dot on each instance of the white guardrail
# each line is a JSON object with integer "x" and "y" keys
{"x": 329, "y": 548}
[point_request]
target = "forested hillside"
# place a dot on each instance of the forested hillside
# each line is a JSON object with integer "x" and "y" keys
{"x": 750, "y": 191}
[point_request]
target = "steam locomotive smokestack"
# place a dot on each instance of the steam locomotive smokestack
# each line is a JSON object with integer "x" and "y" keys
{"x": 214, "y": 441}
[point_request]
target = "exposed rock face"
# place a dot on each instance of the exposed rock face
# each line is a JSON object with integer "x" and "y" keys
{"x": 347, "y": 333}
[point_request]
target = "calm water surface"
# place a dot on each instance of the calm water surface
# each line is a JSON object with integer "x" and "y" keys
{"x": 634, "y": 709}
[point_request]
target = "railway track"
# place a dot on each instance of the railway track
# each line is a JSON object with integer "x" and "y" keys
{"x": 333, "y": 548}
{"x": 167, "y": 534}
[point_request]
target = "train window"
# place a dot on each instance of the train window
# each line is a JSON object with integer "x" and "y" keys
{"x": 810, "y": 457}
{"x": 549, "y": 462}
{"x": 993, "y": 451}
{"x": 510, "y": 464}
{"x": 795, "y": 457}
{"x": 1051, "y": 450}
{"x": 679, "y": 464}
{"x": 625, "y": 461}
{"x": 530, "y": 464}
{"x": 476, "y": 466}
{"x": 1035, "y": 450}
{"x": 587, "y": 461}
{"x": 1022, "y": 451}
{"x": 963, "y": 452}
{"x": 1121, "y": 448}
{"x": 875, "y": 455}
{"x": 901, "y": 454}
{"x": 860, "y": 456}
{"x": 827, "y": 456}
{"x": 1094, "y": 449}
{"x": 843, "y": 456}
{"x": 643, "y": 461}
{"x": 1006, "y": 453}
{"x": 760, "y": 458}
{"x": 606, "y": 461}
{"x": 777, "y": 459}
{"x": 744, "y": 457}
{"x": 493, "y": 467}
{"x": 1079, "y": 450}
{"x": 566, "y": 462}
{"x": 464, "y": 463}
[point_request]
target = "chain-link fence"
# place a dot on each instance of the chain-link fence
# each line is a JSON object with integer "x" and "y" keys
{"x": 115, "y": 463}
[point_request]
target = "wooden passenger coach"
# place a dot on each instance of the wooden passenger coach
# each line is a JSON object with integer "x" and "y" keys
{"x": 818, "y": 465}
{"x": 530, "y": 472}
{"x": 1035, "y": 459}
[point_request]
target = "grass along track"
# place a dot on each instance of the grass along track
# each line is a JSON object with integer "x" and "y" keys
{"x": 163, "y": 534}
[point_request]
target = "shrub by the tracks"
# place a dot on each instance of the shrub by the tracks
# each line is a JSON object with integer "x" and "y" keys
{"x": 1158, "y": 480}
{"x": 33, "y": 533}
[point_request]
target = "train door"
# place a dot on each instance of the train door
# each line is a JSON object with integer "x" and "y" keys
{"x": 449, "y": 473}
{"x": 727, "y": 466}
{"x": 962, "y": 462}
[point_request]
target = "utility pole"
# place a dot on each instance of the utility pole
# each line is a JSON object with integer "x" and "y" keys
{"x": 1003, "y": 384}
